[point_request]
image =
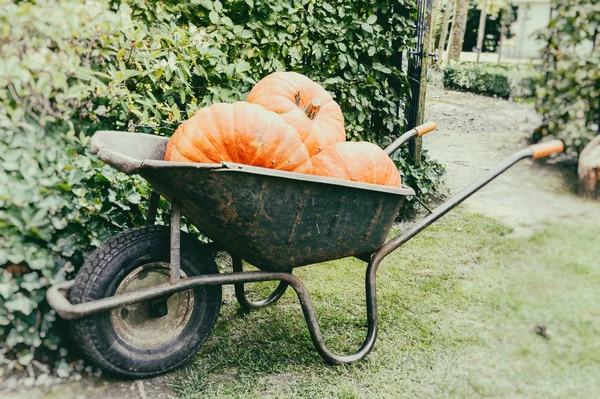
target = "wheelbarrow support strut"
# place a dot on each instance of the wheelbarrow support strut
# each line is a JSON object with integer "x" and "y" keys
{"x": 240, "y": 292}
{"x": 58, "y": 301}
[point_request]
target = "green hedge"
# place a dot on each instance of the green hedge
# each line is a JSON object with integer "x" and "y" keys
{"x": 70, "y": 68}
{"x": 56, "y": 201}
{"x": 569, "y": 95}
{"x": 514, "y": 82}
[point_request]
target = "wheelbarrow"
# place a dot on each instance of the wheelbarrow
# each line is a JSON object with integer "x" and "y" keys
{"x": 145, "y": 301}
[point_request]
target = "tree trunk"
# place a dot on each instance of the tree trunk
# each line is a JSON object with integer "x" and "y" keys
{"x": 501, "y": 42}
{"x": 432, "y": 29}
{"x": 589, "y": 170}
{"x": 481, "y": 31}
{"x": 458, "y": 30}
{"x": 445, "y": 26}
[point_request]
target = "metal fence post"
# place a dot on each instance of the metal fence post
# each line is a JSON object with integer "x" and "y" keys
{"x": 417, "y": 76}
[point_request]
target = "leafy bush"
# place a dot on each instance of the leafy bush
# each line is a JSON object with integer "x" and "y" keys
{"x": 351, "y": 48}
{"x": 145, "y": 67}
{"x": 56, "y": 202}
{"x": 492, "y": 80}
{"x": 569, "y": 95}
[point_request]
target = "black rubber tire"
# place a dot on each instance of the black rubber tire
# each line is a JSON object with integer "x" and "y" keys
{"x": 100, "y": 276}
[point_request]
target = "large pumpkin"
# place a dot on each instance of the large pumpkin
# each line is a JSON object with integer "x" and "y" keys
{"x": 357, "y": 161}
{"x": 241, "y": 133}
{"x": 305, "y": 105}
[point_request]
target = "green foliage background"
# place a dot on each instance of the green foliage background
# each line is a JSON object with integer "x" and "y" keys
{"x": 569, "y": 95}
{"x": 70, "y": 68}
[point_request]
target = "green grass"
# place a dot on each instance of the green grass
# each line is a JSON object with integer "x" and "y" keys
{"x": 458, "y": 306}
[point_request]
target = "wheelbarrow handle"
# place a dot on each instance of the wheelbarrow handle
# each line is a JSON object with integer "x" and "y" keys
{"x": 543, "y": 150}
{"x": 425, "y": 128}
{"x": 412, "y": 133}
{"x": 535, "y": 151}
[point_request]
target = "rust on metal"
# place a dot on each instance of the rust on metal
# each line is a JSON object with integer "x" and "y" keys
{"x": 373, "y": 225}
{"x": 138, "y": 323}
{"x": 337, "y": 216}
{"x": 66, "y": 310}
{"x": 297, "y": 219}
{"x": 366, "y": 217}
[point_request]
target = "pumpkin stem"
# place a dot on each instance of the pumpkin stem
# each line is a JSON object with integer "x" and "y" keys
{"x": 297, "y": 99}
{"x": 313, "y": 109}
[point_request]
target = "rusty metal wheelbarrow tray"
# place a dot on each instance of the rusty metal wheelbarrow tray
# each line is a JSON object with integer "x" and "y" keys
{"x": 273, "y": 219}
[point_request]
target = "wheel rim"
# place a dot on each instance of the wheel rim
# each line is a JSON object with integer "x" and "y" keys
{"x": 136, "y": 324}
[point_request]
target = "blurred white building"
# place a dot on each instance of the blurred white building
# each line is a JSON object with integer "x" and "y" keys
{"x": 532, "y": 15}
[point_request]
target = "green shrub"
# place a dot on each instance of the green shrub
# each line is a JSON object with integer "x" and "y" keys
{"x": 569, "y": 94}
{"x": 56, "y": 201}
{"x": 70, "y": 68}
{"x": 499, "y": 81}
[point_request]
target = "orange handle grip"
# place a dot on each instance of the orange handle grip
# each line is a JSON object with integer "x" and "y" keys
{"x": 543, "y": 150}
{"x": 425, "y": 128}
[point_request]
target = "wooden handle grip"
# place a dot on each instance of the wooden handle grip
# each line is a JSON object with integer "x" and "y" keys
{"x": 425, "y": 128}
{"x": 543, "y": 150}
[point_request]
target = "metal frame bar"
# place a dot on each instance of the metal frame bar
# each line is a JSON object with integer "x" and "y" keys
{"x": 240, "y": 292}
{"x": 152, "y": 208}
{"x": 68, "y": 311}
{"x": 238, "y": 278}
{"x": 453, "y": 202}
{"x": 390, "y": 149}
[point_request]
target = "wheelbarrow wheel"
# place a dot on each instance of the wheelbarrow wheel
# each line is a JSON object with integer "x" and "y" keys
{"x": 152, "y": 337}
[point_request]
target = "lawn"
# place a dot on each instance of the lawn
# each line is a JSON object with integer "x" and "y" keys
{"x": 461, "y": 308}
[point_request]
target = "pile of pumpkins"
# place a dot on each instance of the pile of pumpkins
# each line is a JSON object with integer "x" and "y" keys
{"x": 289, "y": 123}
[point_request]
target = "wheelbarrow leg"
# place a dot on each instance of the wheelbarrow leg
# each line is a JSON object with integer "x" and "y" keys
{"x": 372, "y": 318}
{"x": 240, "y": 293}
{"x": 66, "y": 310}
{"x": 152, "y": 208}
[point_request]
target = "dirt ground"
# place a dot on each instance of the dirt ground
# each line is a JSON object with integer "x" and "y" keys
{"x": 88, "y": 387}
{"x": 474, "y": 133}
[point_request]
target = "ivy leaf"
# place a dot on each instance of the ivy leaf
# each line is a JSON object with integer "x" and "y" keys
{"x": 227, "y": 21}
{"x": 20, "y": 303}
{"x": 25, "y": 359}
{"x": 7, "y": 289}
{"x": 134, "y": 198}
{"x": 214, "y": 17}
{"x": 366, "y": 27}
{"x": 328, "y": 8}
{"x": 371, "y": 20}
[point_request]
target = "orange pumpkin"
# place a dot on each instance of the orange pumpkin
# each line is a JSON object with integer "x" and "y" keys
{"x": 305, "y": 105}
{"x": 170, "y": 145}
{"x": 357, "y": 161}
{"x": 241, "y": 133}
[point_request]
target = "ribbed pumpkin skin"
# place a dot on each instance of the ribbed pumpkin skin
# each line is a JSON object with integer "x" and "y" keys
{"x": 171, "y": 145}
{"x": 241, "y": 133}
{"x": 357, "y": 161}
{"x": 290, "y": 94}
